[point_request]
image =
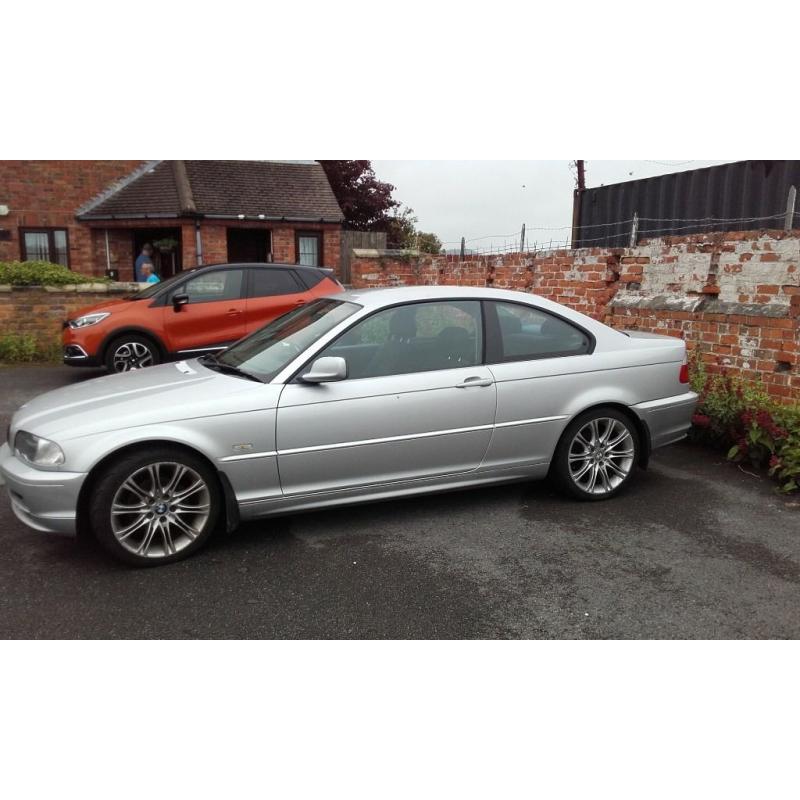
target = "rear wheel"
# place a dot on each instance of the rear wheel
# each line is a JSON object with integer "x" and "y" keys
{"x": 132, "y": 351}
{"x": 155, "y": 507}
{"x": 596, "y": 456}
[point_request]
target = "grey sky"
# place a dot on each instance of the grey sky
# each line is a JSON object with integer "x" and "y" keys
{"x": 481, "y": 198}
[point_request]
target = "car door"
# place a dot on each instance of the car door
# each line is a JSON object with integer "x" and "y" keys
{"x": 214, "y": 316}
{"x": 417, "y": 403}
{"x": 272, "y": 292}
{"x": 540, "y": 362}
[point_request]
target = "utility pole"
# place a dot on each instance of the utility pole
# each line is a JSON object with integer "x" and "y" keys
{"x": 580, "y": 188}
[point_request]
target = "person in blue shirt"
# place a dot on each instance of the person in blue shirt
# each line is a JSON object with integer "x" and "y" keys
{"x": 145, "y": 257}
{"x": 148, "y": 276}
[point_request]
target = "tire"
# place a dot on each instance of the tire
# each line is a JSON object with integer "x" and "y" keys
{"x": 585, "y": 466}
{"x": 131, "y": 351}
{"x": 155, "y": 507}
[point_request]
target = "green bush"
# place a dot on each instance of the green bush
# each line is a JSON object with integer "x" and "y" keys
{"x": 41, "y": 273}
{"x": 17, "y": 348}
{"x": 752, "y": 426}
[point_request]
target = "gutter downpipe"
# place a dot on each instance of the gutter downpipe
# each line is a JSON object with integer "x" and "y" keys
{"x": 198, "y": 243}
{"x": 108, "y": 254}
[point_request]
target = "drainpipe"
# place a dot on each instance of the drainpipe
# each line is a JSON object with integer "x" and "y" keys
{"x": 198, "y": 243}
{"x": 108, "y": 255}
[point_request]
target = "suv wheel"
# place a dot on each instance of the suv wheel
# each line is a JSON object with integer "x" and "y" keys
{"x": 132, "y": 352}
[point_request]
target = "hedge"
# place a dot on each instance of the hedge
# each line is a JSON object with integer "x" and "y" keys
{"x": 41, "y": 273}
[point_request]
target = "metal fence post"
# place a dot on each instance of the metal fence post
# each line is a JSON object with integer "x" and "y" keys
{"x": 522, "y": 239}
{"x": 790, "y": 205}
{"x": 634, "y": 229}
{"x": 462, "y": 248}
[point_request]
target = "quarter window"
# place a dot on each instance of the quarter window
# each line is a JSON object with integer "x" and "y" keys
{"x": 526, "y": 333}
{"x": 222, "y": 284}
{"x": 45, "y": 244}
{"x": 267, "y": 282}
{"x": 414, "y": 338}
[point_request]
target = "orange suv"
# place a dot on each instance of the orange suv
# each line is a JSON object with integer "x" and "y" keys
{"x": 199, "y": 311}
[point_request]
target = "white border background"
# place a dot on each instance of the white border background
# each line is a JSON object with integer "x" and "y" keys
{"x": 404, "y": 80}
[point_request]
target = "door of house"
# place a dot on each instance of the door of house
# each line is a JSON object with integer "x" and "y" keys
{"x": 166, "y": 244}
{"x": 248, "y": 246}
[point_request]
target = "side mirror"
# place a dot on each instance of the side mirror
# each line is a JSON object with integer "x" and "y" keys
{"x": 325, "y": 370}
{"x": 178, "y": 301}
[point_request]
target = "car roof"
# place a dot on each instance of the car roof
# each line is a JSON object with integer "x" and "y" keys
{"x": 376, "y": 298}
{"x": 256, "y": 264}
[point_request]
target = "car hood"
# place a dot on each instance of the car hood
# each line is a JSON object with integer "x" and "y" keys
{"x": 105, "y": 305}
{"x": 165, "y": 393}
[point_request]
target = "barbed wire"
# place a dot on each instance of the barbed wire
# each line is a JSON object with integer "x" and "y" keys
{"x": 643, "y": 231}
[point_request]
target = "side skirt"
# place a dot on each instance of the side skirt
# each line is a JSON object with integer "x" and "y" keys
{"x": 258, "y": 509}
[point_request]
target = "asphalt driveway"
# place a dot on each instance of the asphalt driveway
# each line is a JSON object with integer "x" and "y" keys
{"x": 695, "y": 549}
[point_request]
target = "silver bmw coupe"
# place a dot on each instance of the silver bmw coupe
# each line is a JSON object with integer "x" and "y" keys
{"x": 355, "y": 397}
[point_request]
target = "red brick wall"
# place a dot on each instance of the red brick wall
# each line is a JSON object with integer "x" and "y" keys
{"x": 47, "y": 194}
{"x": 39, "y": 312}
{"x": 734, "y": 297}
{"x": 758, "y": 348}
{"x": 585, "y": 280}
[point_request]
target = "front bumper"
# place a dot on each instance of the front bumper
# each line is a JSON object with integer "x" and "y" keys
{"x": 667, "y": 419}
{"x": 44, "y": 500}
{"x": 76, "y": 356}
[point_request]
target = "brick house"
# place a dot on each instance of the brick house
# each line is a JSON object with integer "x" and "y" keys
{"x": 95, "y": 216}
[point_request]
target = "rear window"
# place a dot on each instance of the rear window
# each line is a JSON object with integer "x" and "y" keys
{"x": 527, "y": 333}
{"x": 268, "y": 282}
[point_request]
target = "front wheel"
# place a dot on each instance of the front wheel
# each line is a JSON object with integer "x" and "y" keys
{"x": 132, "y": 351}
{"x": 155, "y": 507}
{"x": 596, "y": 456}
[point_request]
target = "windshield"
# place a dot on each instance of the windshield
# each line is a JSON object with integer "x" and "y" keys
{"x": 267, "y": 351}
{"x": 153, "y": 288}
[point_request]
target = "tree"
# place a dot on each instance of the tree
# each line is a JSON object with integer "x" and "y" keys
{"x": 401, "y": 229}
{"x": 402, "y": 233}
{"x": 365, "y": 201}
{"x": 429, "y": 243}
{"x": 368, "y": 205}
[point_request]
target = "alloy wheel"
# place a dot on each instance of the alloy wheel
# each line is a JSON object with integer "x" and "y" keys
{"x": 132, "y": 355}
{"x": 160, "y": 509}
{"x": 601, "y": 455}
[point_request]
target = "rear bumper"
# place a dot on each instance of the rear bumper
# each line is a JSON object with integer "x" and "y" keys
{"x": 45, "y": 501}
{"x": 668, "y": 419}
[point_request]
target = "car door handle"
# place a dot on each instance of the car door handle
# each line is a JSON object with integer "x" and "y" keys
{"x": 475, "y": 381}
{"x": 234, "y": 312}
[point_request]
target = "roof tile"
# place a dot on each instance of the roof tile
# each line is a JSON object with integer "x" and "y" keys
{"x": 275, "y": 189}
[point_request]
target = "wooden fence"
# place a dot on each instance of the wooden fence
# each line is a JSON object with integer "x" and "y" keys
{"x": 351, "y": 239}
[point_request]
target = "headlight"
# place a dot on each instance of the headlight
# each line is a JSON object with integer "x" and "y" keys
{"x": 88, "y": 319}
{"x": 37, "y": 451}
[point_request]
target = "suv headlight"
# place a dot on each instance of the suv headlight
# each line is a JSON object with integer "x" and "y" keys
{"x": 37, "y": 451}
{"x": 88, "y": 319}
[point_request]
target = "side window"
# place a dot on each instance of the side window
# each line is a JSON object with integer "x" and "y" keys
{"x": 222, "y": 284}
{"x": 528, "y": 333}
{"x": 414, "y": 338}
{"x": 271, "y": 281}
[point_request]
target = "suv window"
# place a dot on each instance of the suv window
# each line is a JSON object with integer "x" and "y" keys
{"x": 528, "y": 333}
{"x": 419, "y": 337}
{"x": 271, "y": 281}
{"x": 221, "y": 284}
